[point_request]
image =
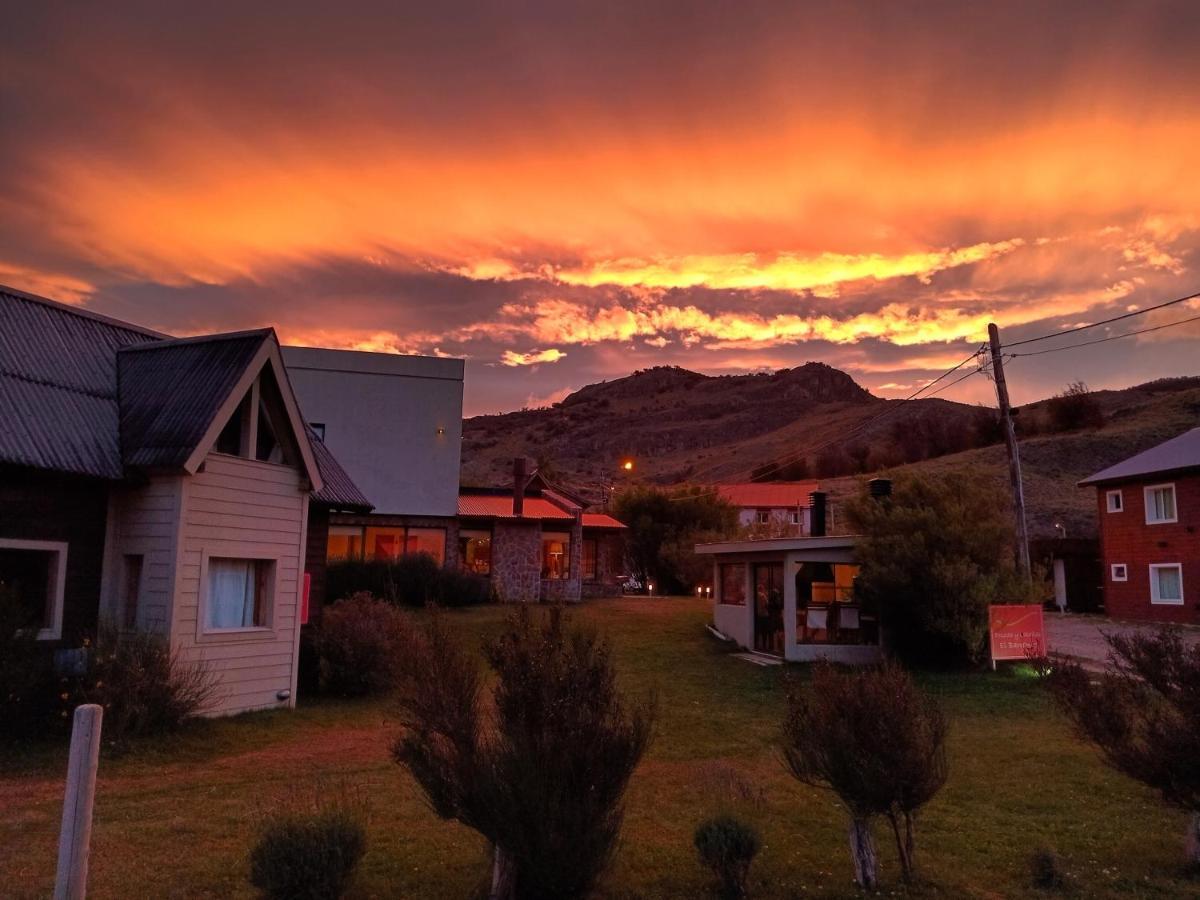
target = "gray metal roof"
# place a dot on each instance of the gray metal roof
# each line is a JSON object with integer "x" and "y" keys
{"x": 338, "y": 490}
{"x": 58, "y": 385}
{"x": 170, "y": 392}
{"x": 1177, "y": 454}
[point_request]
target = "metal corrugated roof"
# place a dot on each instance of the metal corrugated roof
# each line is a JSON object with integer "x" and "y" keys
{"x": 1181, "y": 452}
{"x": 338, "y": 490}
{"x": 58, "y": 385}
{"x": 601, "y": 520}
{"x": 170, "y": 392}
{"x": 500, "y": 506}
{"x": 768, "y": 494}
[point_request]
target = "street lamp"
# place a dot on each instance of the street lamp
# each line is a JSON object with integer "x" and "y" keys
{"x": 627, "y": 465}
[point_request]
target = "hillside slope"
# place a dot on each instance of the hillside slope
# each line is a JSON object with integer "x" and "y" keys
{"x": 679, "y": 425}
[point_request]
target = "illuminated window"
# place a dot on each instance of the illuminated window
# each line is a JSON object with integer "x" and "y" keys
{"x": 475, "y": 550}
{"x": 556, "y": 555}
{"x": 345, "y": 542}
{"x": 385, "y": 543}
{"x": 733, "y": 584}
{"x": 427, "y": 540}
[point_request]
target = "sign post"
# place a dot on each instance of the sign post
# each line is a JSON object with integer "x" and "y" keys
{"x": 1016, "y": 631}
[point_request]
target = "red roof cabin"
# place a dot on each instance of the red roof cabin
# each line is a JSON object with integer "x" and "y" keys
{"x": 1149, "y": 511}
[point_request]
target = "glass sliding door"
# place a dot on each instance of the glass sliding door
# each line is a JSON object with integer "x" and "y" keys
{"x": 768, "y": 608}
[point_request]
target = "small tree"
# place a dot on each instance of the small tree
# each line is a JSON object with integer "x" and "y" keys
{"x": 1144, "y": 715}
{"x": 1074, "y": 408}
{"x": 543, "y": 778}
{"x": 932, "y": 557}
{"x": 727, "y": 846}
{"x": 878, "y": 743}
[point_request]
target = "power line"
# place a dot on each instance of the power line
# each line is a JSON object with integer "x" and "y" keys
{"x": 1128, "y": 315}
{"x": 1114, "y": 337}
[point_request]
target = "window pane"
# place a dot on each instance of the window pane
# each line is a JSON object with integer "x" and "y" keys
{"x": 428, "y": 540}
{"x": 590, "y": 549}
{"x": 475, "y": 550}
{"x": 385, "y": 543}
{"x": 1162, "y": 504}
{"x": 733, "y": 584}
{"x": 556, "y": 556}
{"x": 345, "y": 542}
{"x": 1170, "y": 584}
{"x": 25, "y": 576}
{"x": 233, "y": 594}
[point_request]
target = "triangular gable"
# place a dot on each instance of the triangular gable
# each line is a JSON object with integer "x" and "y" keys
{"x": 177, "y": 396}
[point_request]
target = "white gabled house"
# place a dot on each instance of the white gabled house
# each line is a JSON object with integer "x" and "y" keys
{"x": 163, "y": 483}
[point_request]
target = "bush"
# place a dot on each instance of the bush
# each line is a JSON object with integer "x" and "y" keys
{"x": 358, "y": 643}
{"x": 309, "y": 852}
{"x": 727, "y": 847}
{"x": 878, "y": 743}
{"x": 1073, "y": 409}
{"x": 28, "y": 687}
{"x": 144, "y": 686}
{"x": 933, "y": 556}
{"x": 412, "y": 580}
{"x": 1045, "y": 870}
{"x": 1144, "y": 716}
{"x": 544, "y": 776}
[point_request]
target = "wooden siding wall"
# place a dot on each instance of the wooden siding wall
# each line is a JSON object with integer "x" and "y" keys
{"x": 242, "y": 508}
{"x": 41, "y": 506}
{"x": 145, "y": 520}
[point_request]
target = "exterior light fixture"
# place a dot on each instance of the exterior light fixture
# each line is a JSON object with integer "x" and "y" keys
{"x": 440, "y": 430}
{"x": 627, "y": 465}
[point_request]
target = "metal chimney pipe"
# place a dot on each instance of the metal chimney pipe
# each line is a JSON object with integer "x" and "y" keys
{"x": 519, "y": 482}
{"x": 816, "y": 501}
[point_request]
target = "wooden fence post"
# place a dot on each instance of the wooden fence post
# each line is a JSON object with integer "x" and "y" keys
{"x": 76, "y": 834}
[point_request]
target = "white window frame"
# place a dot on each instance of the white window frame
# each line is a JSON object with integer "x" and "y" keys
{"x": 1123, "y": 569}
{"x": 1174, "y": 503}
{"x": 57, "y": 586}
{"x": 251, "y": 632}
{"x": 1117, "y": 507}
{"x": 762, "y": 517}
{"x": 1154, "y": 598}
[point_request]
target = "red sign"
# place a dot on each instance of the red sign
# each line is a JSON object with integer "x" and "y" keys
{"x": 1017, "y": 631}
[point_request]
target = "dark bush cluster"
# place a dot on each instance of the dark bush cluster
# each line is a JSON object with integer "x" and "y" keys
{"x": 412, "y": 580}
{"x": 727, "y": 846}
{"x": 358, "y": 644}
{"x": 1073, "y": 409}
{"x": 1046, "y": 871}
{"x": 309, "y": 851}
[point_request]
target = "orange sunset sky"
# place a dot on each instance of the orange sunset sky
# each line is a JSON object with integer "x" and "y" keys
{"x": 566, "y": 192}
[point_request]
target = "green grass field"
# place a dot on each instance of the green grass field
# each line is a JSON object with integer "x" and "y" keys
{"x": 175, "y": 817}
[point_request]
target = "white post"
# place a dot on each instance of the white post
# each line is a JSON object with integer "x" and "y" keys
{"x": 75, "y": 838}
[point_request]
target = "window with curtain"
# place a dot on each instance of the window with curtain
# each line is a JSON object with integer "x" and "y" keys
{"x": 1166, "y": 584}
{"x": 237, "y": 593}
{"x": 1160, "y": 504}
{"x": 556, "y": 556}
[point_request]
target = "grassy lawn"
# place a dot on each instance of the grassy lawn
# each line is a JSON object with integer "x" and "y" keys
{"x": 174, "y": 817}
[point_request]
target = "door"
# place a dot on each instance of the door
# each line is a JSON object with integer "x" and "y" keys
{"x": 768, "y": 608}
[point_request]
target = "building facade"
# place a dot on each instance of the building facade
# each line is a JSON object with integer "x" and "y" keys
{"x": 162, "y": 484}
{"x": 776, "y": 508}
{"x": 1149, "y": 512}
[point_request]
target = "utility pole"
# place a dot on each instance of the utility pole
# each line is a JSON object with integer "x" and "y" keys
{"x": 1014, "y": 454}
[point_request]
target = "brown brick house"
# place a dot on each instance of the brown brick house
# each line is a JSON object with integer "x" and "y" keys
{"x": 1149, "y": 511}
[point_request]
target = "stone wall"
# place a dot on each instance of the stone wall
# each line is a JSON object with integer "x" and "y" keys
{"x": 517, "y": 561}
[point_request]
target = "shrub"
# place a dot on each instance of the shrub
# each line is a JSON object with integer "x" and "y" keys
{"x": 727, "y": 846}
{"x": 1144, "y": 715}
{"x": 878, "y": 743}
{"x": 932, "y": 557}
{"x": 1073, "y": 409}
{"x": 358, "y": 643}
{"x": 309, "y": 851}
{"x": 415, "y": 579}
{"x": 1045, "y": 870}
{"x": 144, "y": 686}
{"x": 544, "y": 776}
